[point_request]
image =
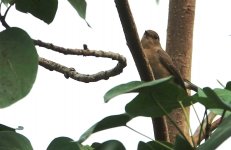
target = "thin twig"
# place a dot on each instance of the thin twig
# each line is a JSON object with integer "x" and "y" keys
{"x": 140, "y": 133}
{"x": 69, "y": 71}
{"x": 187, "y": 121}
{"x": 220, "y": 83}
{"x": 3, "y": 17}
{"x": 164, "y": 145}
{"x": 170, "y": 119}
{"x": 201, "y": 132}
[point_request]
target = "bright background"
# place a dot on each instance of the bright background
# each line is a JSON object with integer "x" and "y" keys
{"x": 60, "y": 107}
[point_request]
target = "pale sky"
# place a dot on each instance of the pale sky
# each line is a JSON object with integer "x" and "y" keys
{"x": 60, "y": 107}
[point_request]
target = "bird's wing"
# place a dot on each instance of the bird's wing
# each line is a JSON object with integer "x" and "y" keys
{"x": 166, "y": 60}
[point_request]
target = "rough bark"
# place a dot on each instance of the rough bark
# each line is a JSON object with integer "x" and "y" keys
{"x": 179, "y": 47}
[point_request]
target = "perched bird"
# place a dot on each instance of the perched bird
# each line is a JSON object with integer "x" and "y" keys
{"x": 161, "y": 63}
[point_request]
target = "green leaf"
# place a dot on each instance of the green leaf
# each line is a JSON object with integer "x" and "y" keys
{"x": 144, "y": 146}
{"x": 13, "y": 141}
{"x": 217, "y": 98}
{"x": 6, "y": 128}
{"x": 18, "y": 65}
{"x": 154, "y": 145}
{"x": 148, "y": 102}
{"x": 222, "y": 133}
{"x": 42, "y": 9}
{"x": 63, "y": 143}
{"x": 109, "y": 145}
{"x": 134, "y": 86}
{"x": 6, "y": 2}
{"x": 182, "y": 143}
{"x": 220, "y": 112}
{"x": 80, "y": 6}
{"x": 106, "y": 123}
{"x": 228, "y": 86}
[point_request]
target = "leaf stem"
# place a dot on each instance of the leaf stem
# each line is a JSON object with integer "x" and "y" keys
{"x": 149, "y": 138}
{"x": 187, "y": 121}
{"x": 139, "y": 133}
{"x": 167, "y": 115}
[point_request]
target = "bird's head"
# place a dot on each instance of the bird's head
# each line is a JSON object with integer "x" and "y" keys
{"x": 150, "y": 39}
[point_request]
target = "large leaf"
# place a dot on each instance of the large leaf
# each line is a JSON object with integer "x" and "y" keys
{"x": 13, "y": 141}
{"x": 80, "y": 6}
{"x": 106, "y": 123}
{"x": 182, "y": 143}
{"x": 134, "y": 86}
{"x": 6, "y": 128}
{"x": 217, "y": 98}
{"x": 42, "y": 9}
{"x": 109, "y": 145}
{"x": 18, "y": 65}
{"x": 63, "y": 143}
{"x": 150, "y": 103}
{"x": 222, "y": 133}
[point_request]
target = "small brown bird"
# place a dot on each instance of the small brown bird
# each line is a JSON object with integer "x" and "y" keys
{"x": 161, "y": 63}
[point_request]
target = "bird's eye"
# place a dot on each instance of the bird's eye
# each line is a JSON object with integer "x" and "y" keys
{"x": 152, "y": 35}
{"x": 156, "y": 37}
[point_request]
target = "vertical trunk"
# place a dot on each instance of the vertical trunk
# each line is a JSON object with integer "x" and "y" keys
{"x": 144, "y": 69}
{"x": 179, "y": 47}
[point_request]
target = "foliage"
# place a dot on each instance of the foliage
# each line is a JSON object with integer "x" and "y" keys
{"x": 43, "y": 9}
{"x": 80, "y": 6}
{"x": 9, "y": 139}
{"x": 18, "y": 69}
{"x": 46, "y": 10}
{"x": 18, "y": 63}
{"x": 107, "y": 123}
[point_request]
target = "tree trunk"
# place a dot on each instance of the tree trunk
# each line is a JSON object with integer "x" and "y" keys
{"x": 179, "y": 47}
{"x": 144, "y": 69}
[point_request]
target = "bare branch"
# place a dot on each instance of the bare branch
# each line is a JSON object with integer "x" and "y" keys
{"x": 202, "y": 131}
{"x": 145, "y": 72}
{"x": 70, "y": 72}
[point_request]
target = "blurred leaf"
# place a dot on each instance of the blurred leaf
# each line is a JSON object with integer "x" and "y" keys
{"x": 228, "y": 86}
{"x": 220, "y": 112}
{"x": 63, "y": 143}
{"x": 166, "y": 94}
{"x": 6, "y": 2}
{"x": 42, "y": 9}
{"x": 95, "y": 145}
{"x": 13, "y": 141}
{"x": 109, "y": 145}
{"x": 80, "y": 6}
{"x": 155, "y": 145}
{"x": 144, "y": 146}
{"x": 217, "y": 98}
{"x": 106, "y": 123}
{"x": 134, "y": 86}
{"x": 222, "y": 133}
{"x": 18, "y": 65}
{"x": 86, "y": 147}
{"x": 182, "y": 143}
{"x": 6, "y": 128}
